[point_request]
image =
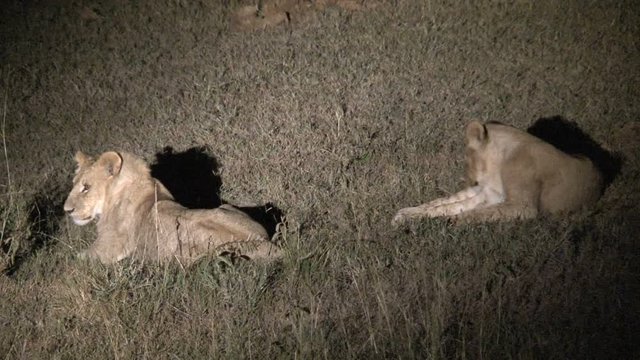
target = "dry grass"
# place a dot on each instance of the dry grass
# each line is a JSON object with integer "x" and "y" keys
{"x": 266, "y": 14}
{"x": 338, "y": 120}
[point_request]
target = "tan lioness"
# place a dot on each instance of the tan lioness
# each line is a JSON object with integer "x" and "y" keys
{"x": 137, "y": 216}
{"x": 514, "y": 175}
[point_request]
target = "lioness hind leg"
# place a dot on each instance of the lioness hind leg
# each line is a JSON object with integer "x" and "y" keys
{"x": 235, "y": 220}
{"x": 262, "y": 250}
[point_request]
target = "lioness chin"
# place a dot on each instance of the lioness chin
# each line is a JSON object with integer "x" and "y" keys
{"x": 514, "y": 175}
{"x": 137, "y": 216}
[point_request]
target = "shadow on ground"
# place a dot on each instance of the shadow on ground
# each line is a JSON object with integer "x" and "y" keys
{"x": 591, "y": 300}
{"x": 192, "y": 177}
{"x": 568, "y": 137}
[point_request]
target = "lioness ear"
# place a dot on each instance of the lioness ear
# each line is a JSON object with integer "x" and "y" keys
{"x": 81, "y": 159}
{"x": 112, "y": 162}
{"x": 477, "y": 135}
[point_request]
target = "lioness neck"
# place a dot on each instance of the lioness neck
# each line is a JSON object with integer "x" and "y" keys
{"x": 134, "y": 191}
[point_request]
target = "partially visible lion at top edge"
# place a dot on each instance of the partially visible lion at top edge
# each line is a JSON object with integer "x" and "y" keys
{"x": 271, "y": 13}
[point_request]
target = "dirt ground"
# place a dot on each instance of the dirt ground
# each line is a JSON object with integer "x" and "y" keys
{"x": 324, "y": 118}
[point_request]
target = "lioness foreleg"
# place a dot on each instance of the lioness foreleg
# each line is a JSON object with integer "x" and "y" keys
{"x": 461, "y": 201}
{"x": 457, "y": 197}
{"x": 520, "y": 201}
{"x": 106, "y": 250}
{"x": 503, "y": 211}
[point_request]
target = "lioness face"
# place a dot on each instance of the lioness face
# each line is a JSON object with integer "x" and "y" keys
{"x": 476, "y": 140}
{"x": 86, "y": 199}
{"x": 475, "y": 165}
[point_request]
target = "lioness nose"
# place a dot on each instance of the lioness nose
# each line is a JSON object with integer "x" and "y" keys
{"x": 68, "y": 208}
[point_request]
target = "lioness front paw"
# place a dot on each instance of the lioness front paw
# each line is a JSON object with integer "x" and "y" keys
{"x": 398, "y": 219}
{"x": 403, "y": 215}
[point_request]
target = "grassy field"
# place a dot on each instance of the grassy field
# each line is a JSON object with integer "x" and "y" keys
{"x": 336, "y": 119}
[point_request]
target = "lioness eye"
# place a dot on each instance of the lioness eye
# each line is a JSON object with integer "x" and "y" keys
{"x": 85, "y": 188}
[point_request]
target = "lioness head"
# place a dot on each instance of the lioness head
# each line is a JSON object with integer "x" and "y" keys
{"x": 90, "y": 185}
{"x": 476, "y": 139}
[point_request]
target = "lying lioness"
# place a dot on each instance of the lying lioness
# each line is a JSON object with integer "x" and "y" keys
{"x": 514, "y": 175}
{"x": 137, "y": 216}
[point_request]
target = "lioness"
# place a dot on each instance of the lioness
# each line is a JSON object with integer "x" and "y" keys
{"x": 137, "y": 216}
{"x": 514, "y": 175}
